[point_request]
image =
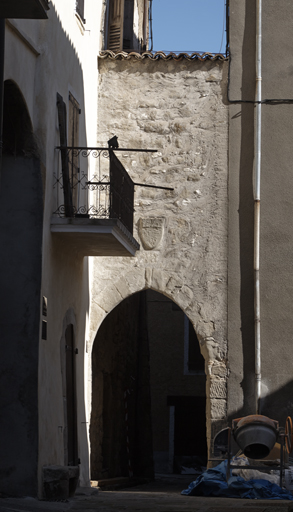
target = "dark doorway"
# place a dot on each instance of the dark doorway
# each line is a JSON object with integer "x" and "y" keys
{"x": 176, "y": 385}
{"x": 190, "y": 446}
{"x": 71, "y": 397}
{"x": 120, "y": 432}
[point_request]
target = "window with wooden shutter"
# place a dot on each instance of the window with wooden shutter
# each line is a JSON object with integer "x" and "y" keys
{"x": 115, "y": 33}
{"x": 73, "y": 141}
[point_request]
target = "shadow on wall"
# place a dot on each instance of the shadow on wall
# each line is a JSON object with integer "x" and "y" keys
{"x": 21, "y": 218}
{"x": 277, "y": 406}
{"x": 246, "y": 209}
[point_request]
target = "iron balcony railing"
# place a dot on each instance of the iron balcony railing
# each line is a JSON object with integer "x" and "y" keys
{"x": 108, "y": 194}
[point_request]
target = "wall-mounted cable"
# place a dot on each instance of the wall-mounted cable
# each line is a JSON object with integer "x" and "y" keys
{"x": 151, "y": 25}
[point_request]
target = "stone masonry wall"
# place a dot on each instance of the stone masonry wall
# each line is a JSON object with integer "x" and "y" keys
{"x": 179, "y": 108}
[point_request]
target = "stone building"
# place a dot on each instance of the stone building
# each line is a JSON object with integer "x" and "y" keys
{"x": 180, "y": 109}
{"x": 105, "y": 311}
{"x": 276, "y": 209}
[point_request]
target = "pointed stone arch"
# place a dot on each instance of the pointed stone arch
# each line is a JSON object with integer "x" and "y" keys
{"x": 140, "y": 346}
{"x": 177, "y": 288}
{"x": 18, "y": 137}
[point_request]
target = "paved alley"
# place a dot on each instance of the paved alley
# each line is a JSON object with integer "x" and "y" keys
{"x": 163, "y": 495}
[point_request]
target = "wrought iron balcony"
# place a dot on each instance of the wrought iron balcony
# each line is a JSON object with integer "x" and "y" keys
{"x": 103, "y": 204}
{"x": 112, "y": 190}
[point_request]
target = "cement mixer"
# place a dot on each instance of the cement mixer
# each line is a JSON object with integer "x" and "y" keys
{"x": 256, "y": 436}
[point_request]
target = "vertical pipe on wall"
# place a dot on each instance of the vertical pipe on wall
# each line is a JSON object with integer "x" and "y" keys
{"x": 2, "y": 50}
{"x": 257, "y": 170}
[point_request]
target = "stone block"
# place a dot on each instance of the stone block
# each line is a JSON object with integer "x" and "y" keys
{"x": 123, "y": 288}
{"x": 148, "y": 277}
{"x": 135, "y": 280}
{"x": 159, "y": 280}
{"x": 59, "y": 482}
{"x": 109, "y": 298}
{"x": 219, "y": 369}
{"x": 218, "y": 409}
{"x": 214, "y": 350}
{"x": 218, "y": 388}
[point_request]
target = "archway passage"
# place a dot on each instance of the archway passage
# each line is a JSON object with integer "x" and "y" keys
{"x": 18, "y": 139}
{"x": 148, "y": 391}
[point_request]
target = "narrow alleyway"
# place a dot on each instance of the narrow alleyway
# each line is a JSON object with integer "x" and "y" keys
{"x": 163, "y": 495}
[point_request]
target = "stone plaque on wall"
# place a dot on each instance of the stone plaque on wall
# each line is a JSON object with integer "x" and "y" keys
{"x": 151, "y": 232}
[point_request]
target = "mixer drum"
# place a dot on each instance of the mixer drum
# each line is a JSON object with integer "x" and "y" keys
{"x": 256, "y": 435}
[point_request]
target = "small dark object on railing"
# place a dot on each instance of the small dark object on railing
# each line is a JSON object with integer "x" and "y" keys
{"x": 113, "y": 143}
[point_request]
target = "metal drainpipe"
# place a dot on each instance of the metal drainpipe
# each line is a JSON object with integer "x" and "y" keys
{"x": 257, "y": 169}
{"x": 2, "y": 49}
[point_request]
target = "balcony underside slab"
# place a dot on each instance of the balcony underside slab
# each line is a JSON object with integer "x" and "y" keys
{"x": 30, "y": 9}
{"x": 94, "y": 237}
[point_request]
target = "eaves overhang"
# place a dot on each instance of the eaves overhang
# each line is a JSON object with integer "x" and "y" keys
{"x": 20, "y": 9}
{"x": 155, "y": 56}
{"x": 94, "y": 237}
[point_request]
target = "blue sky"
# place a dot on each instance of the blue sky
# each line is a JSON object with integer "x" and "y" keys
{"x": 188, "y": 25}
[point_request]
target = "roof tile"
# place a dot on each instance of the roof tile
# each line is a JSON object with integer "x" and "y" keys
{"x": 161, "y": 55}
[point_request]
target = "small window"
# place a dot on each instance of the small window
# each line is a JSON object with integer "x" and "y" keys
{"x": 193, "y": 360}
{"x": 123, "y": 19}
{"x": 115, "y": 31}
{"x": 79, "y": 7}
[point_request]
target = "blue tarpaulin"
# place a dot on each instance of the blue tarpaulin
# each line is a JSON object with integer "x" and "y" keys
{"x": 213, "y": 483}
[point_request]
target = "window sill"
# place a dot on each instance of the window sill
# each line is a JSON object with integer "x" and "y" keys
{"x": 195, "y": 372}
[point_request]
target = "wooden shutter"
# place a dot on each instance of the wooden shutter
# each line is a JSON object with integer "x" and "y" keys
{"x": 116, "y": 17}
{"x": 64, "y": 157}
{"x": 73, "y": 141}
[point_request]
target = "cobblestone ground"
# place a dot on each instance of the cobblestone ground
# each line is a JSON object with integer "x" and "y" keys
{"x": 160, "y": 496}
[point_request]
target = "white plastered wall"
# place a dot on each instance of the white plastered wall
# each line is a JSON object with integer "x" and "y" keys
{"x": 44, "y": 57}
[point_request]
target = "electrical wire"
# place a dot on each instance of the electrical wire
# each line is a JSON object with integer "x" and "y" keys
{"x": 223, "y": 27}
{"x": 151, "y": 24}
{"x": 227, "y": 26}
